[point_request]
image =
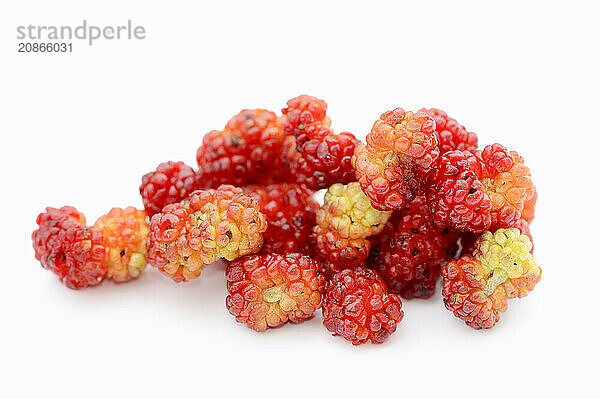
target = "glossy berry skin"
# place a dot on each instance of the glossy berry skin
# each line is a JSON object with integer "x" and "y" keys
{"x": 462, "y": 290}
{"x": 481, "y": 191}
{"x": 507, "y": 182}
{"x": 125, "y": 231}
{"x": 528, "y": 212}
{"x": 316, "y": 157}
{"x": 336, "y": 253}
{"x": 409, "y": 255}
{"x": 66, "y": 246}
{"x": 322, "y": 159}
{"x": 451, "y": 134}
{"x": 358, "y": 307}
{"x": 290, "y": 211}
{"x": 456, "y": 195}
{"x": 476, "y": 287}
{"x": 400, "y": 150}
{"x": 265, "y": 291}
{"x": 171, "y": 182}
{"x": 303, "y": 114}
{"x": 249, "y": 150}
{"x": 208, "y": 225}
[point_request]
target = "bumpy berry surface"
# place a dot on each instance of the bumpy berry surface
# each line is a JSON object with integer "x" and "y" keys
{"x": 409, "y": 255}
{"x": 171, "y": 182}
{"x": 358, "y": 307}
{"x": 528, "y": 212}
{"x": 315, "y": 156}
{"x": 303, "y": 114}
{"x": 507, "y": 259}
{"x": 476, "y": 287}
{"x": 208, "y": 225}
{"x": 400, "y": 150}
{"x": 462, "y": 290}
{"x": 481, "y": 191}
{"x": 348, "y": 210}
{"x": 266, "y": 291}
{"x": 451, "y": 134}
{"x": 456, "y": 195}
{"x": 323, "y": 159}
{"x": 66, "y": 246}
{"x": 247, "y": 151}
{"x": 347, "y": 218}
{"x": 290, "y": 211}
{"x": 508, "y": 184}
{"x": 125, "y": 231}
{"x": 336, "y": 253}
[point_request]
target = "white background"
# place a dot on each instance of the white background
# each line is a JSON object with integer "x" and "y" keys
{"x": 82, "y": 128}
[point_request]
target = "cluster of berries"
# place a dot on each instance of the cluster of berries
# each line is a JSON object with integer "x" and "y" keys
{"x": 417, "y": 200}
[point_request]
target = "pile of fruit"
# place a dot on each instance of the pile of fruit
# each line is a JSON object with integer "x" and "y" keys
{"x": 418, "y": 200}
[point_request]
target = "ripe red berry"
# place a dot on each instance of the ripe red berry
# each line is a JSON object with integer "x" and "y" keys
{"x": 316, "y": 157}
{"x": 249, "y": 150}
{"x": 66, "y": 246}
{"x": 266, "y": 291}
{"x": 476, "y": 192}
{"x": 409, "y": 255}
{"x": 400, "y": 150}
{"x": 323, "y": 159}
{"x": 304, "y": 113}
{"x": 336, "y": 253}
{"x": 463, "y": 293}
{"x": 290, "y": 211}
{"x": 358, "y": 307}
{"x": 451, "y": 134}
{"x": 171, "y": 182}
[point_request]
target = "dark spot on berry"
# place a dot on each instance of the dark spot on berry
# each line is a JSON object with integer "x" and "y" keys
{"x": 472, "y": 190}
{"x": 415, "y": 251}
{"x": 122, "y": 253}
{"x": 235, "y": 141}
{"x": 414, "y": 231}
{"x": 185, "y": 258}
{"x": 229, "y": 234}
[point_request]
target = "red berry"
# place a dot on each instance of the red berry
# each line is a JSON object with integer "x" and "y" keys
{"x": 249, "y": 150}
{"x": 304, "y": 113}
{"x": 290, "y": 211}
{"x": 66, "y": 246}
{"x": 323, "y": 159}
{"x": 476, "y": 192}
{"x": 463, "y": 293}
{"x": 266, "y": 291}
{"x": 336, "y": 253}
{"x": 358, "y": 307}
{"x": 400, "y": 150}
{"x": 451, "y": 134}
{"x": 409, "y": 256}
{"x": 206, "y": 226}
{"x": 171, "y": 182}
